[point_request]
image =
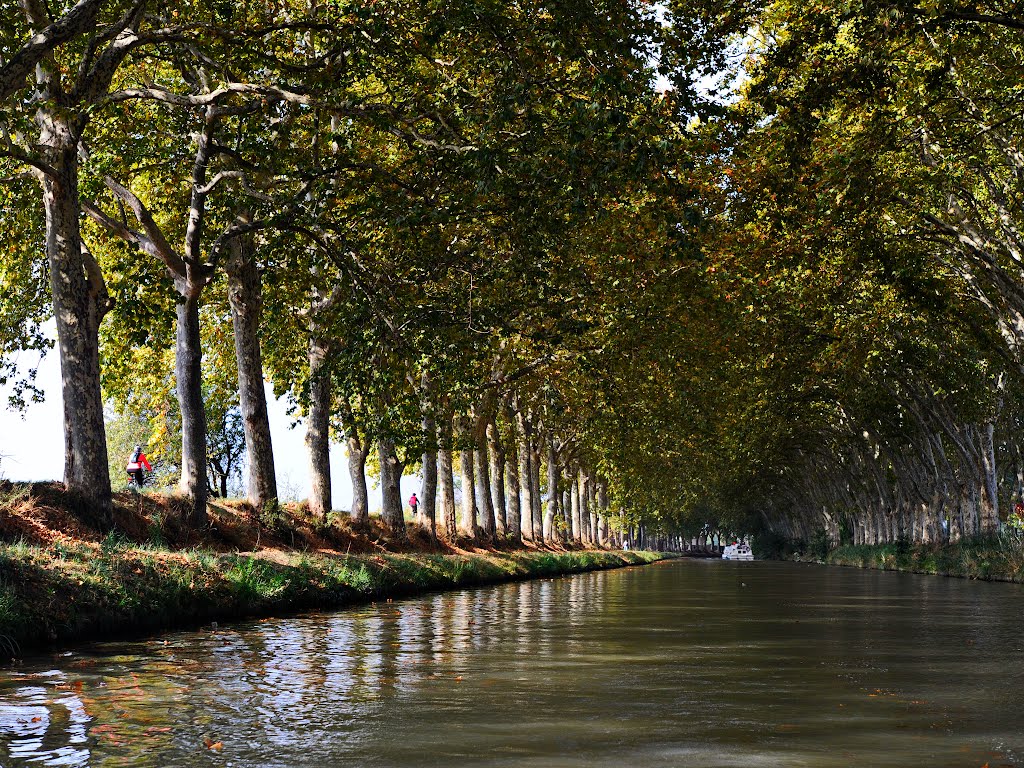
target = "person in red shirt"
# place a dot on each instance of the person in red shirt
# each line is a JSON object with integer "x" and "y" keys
{"x": 415, "y": 504}
{"x": 136, "y": 464}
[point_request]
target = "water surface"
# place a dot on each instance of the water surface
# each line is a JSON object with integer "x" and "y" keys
{"x": 689, "y": 663}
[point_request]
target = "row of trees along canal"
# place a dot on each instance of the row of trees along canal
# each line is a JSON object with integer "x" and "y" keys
{"x": 427, "y": 223}
{"x": 475, "y": 236}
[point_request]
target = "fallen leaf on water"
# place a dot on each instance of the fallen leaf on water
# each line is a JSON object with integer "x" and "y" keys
{"x": 458, "y": 678}
{"x": 37, "y": 719}
{"x": 216, "y": 746}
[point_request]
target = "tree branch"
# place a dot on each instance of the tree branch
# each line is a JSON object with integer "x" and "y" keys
{"x": 81, "y": 18}
{"x": 38, "y": 165}
{"x": 984, "y": 18}
{"x": 153, "y": 241}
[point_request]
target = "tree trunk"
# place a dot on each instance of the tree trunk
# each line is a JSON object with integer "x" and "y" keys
{"x": 469, "y": 509}
{"x": 537, "y": 498}
{"x": 446, "y": 478}
{"x": 585, "y": 508}
{"x": 446, "y": 481}
{"x": 246, "y": 301}
{"x": 525, "y": 477}
{"x": 482, "y": 471}
{"x": 577, "y": 515}
{"x": 392, "y": 510}
{"x": 357, "y": 452}
{"x": 189, "y": 382}
{"x": 427, "y": 510}
{"x": 512, "y": 489}
{"x": 428, "y": 502}
{"x": 989, "y": 511}
{"x": 79, "y": 302}
{"x": 318, "y": 422}
{"x": 497, "y": 457}
{"x": 567, "y": 511}
{"x": 550, "y": 515}
{"x": 602, "y": 505}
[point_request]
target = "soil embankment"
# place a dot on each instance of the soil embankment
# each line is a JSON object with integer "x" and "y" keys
{"x": 62, "y": 579}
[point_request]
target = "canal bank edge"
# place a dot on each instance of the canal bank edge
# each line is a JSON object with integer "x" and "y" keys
{"x": 980, "y": 559}
{"x": 56, "y": 595}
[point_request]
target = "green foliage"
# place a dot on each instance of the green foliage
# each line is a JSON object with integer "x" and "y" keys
{"x": 768, "y": 545}
{"x": 23, "y": 293}
{"x": 781, "y": 313}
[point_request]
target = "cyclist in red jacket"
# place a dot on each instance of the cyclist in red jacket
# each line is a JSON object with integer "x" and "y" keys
{"x": 136, "y": 464}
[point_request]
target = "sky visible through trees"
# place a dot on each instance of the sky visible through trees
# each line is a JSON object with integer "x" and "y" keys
{"x": 36, "y": 453}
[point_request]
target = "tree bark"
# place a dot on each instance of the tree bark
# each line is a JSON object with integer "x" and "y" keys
{"x": 566, "y": 510}
{"x": 189, "y": 385}
{"x": 466, "y": 459}
{"x": 577, "y": 515}
{"x": 79, "y": 303}
{"x": 357, "y": 453}
{"x": 482, "y": 473}
{"x": 497, "y": 459}
{"x": 602, "y": 504}
{"x": 318, "y": 422}
{"x": 428, "y": 503}
{"x": 524, "y": 435}
{"x": 536, "y": 497}
{"x": 392, "y": 509}
{"x": 989, "y": 507}
{"x": 512, "y": 488}
{"x": 585, "y": 508}
{"x": 245, "y": 297}
{"x": 551, "y": 513}
{"x": 446, "y": 478}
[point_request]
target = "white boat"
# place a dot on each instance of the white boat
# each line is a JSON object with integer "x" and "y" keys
{"x": 740, "y": 551}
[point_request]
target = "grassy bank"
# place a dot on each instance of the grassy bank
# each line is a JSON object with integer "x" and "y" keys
{"x": 61, "y": 579}
{"x": 995, "y": 559}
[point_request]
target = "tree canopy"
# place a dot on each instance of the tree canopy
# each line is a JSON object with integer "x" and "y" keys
{"x": 752, "y": 266}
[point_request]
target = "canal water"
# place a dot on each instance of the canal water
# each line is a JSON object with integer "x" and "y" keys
{"x": 691, "y": 663}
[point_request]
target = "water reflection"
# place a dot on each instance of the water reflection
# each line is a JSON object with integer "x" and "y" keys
{"x": 701, "y": 664}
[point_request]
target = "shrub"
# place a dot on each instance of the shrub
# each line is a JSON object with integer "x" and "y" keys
{"x": 819, "y": 545}
{"x": 768, "y": 545}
